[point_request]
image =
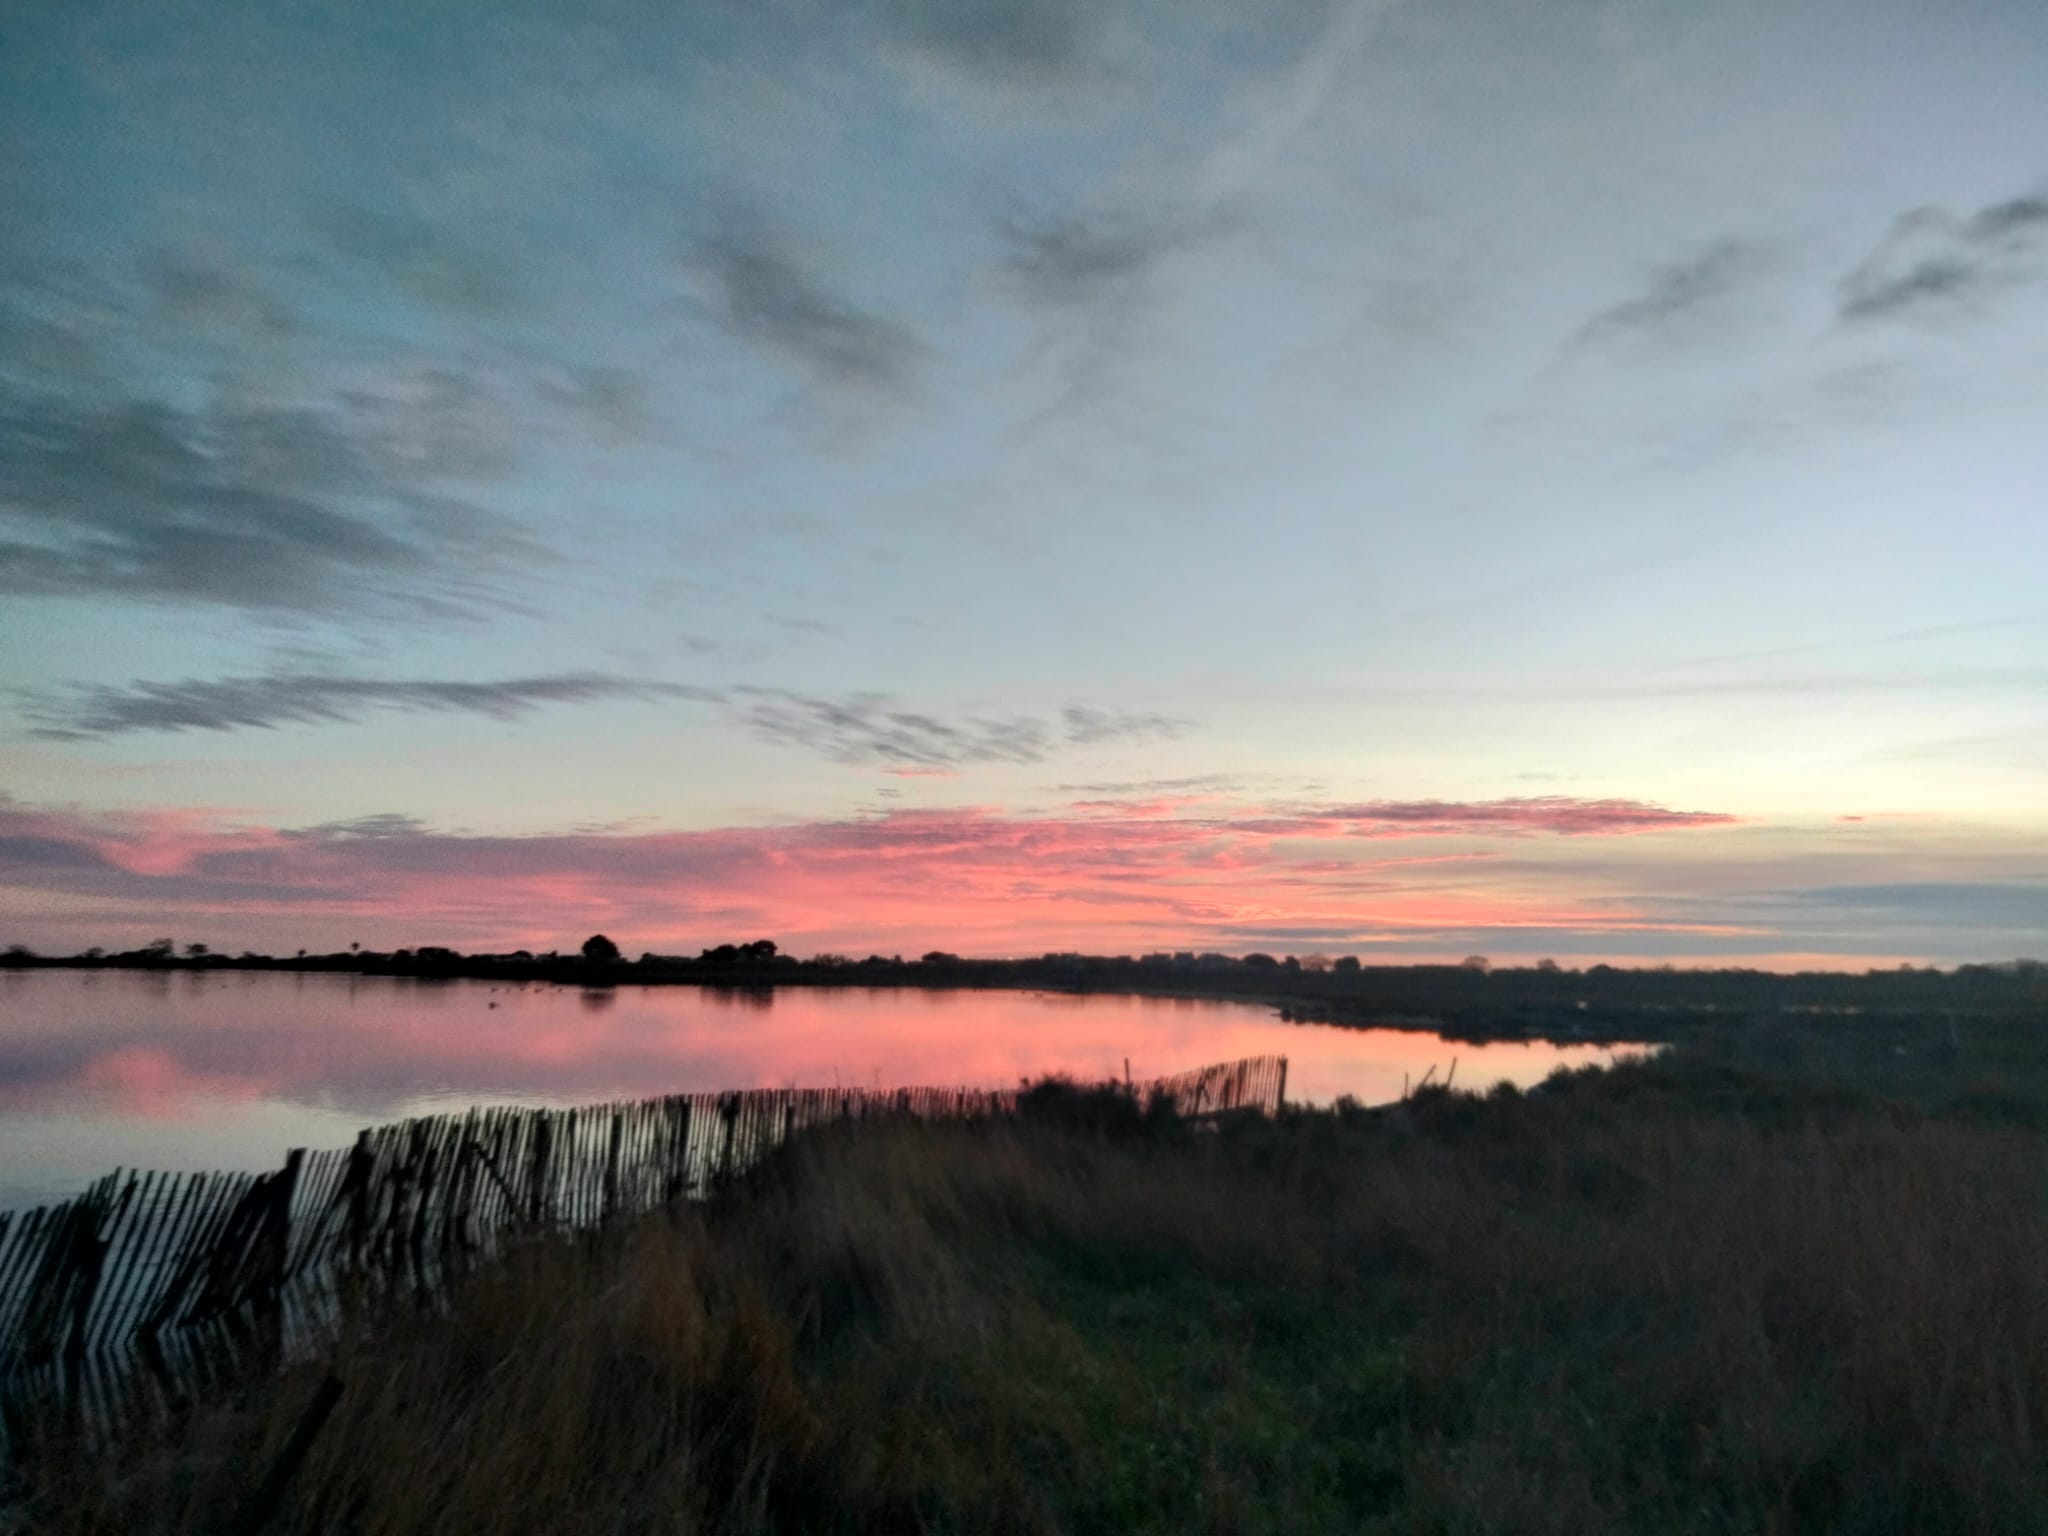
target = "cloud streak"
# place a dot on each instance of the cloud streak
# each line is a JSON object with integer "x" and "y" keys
{"x": 873, "y": 728}
{"x": 1072, "y": 261}
{"x": 1932, "y": 262}
{"x": 1679, "y": 295}
{"x": 764, "y": 293}
{"x": 1559, "y": 815}
{"x": 346, "y": 506}
{"x": 870, "y": 728}
{"x": 1022, "y": 42}
{"x": 269, "y": 700}
{"x": 1092, "y": 727}
{"x": 974, "y": 877}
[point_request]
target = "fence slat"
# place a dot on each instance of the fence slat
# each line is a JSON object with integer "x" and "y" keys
{"x": 190, "y": 1277}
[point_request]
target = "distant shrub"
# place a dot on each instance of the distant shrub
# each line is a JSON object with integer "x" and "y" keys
{"x": 1104, "y": 1109}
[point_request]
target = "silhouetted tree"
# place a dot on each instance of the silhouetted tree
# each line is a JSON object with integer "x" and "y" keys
{"x": 600, "y": 950}
{"x": 195, "y": 951}
{"x": 1346, "y": 965}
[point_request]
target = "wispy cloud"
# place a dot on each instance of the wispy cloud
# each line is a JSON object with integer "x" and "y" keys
{"x": 1201, "y": 783}
{"x": 764, "y": 292}
{"x": 360, "y": 502}
{"x": 974, "y": 878}
{"x": 1681, "y": 296}
{"x": 1934, "y": 262}
{"x": 874, "y": 728}
{"x": 268, "y": 700}
{"x": 1091, "y": 727}
{"x": 1009, "y": 41}
{"x": 1560, "y": 815}
{"x": 1072, "y": 260}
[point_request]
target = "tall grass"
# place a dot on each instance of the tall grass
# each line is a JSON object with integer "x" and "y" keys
{"x": 1673, "y": 1297}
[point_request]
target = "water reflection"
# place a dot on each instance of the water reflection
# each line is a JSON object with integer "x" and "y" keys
{"x": 192, "y": 1070}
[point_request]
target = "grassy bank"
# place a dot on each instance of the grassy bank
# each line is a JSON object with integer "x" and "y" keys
{"x": 1708, "y": 1293}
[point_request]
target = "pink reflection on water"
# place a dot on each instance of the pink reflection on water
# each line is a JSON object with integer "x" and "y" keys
{"x": 189, "y": 1070}
{"x": 150, "y": 1083}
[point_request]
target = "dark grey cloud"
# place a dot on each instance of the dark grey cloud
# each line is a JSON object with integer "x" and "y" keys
{"x": 430, "y": 424}
{"x": 800, "y": 624}
{"x": 851, "y": 728}
{"x": 1680, "y": 293}
{"x": 2016, "y": 216}
{"x": 876, "y": 728}
{"x": 1933, "y": 262}
{"x": 873, "y": 728}
{"x": 186, "y": 288}
{"x": 1090, "y": 727}
{"x": 1024, "y": 42}
{"x": 1074, "y": 261}
{"x": 618, "y": 401}
{"x": 269, "y": 700}
{"x": 347, "y": 506}
{"x": 439, "y": 264}
{"x": 764, "y": 293}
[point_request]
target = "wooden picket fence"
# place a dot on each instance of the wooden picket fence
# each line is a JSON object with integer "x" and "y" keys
{"x": 150, "y": 1287}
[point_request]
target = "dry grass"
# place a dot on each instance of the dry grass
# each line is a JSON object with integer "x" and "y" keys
{"x": 1672, "y": 1298}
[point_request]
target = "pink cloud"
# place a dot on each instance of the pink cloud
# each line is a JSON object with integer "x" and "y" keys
{"x": 1101, "y": 875}
{"x": 1562, "y": 815}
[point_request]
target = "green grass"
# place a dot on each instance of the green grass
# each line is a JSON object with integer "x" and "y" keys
{"x": 1756, "y": 1286}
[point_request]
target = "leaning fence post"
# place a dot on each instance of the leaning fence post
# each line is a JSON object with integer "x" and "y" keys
{"x": 264, "y": 1502}
{"x": 611, "y": 1165}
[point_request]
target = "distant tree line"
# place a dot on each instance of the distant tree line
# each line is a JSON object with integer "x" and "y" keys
{"x": 1471, "y": 998}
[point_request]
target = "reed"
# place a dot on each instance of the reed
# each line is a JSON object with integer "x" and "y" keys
{"x": 146, "y": 1287}
{"x": 1672, "y": 1297}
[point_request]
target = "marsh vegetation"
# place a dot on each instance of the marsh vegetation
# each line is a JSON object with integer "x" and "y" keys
{"x": 1767, "y": 1282}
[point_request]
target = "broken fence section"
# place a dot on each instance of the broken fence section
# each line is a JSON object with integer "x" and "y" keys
{"x": 146, "y": 1287}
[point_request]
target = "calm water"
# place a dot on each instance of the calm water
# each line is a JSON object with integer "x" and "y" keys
{"x": 189, "y": 1071}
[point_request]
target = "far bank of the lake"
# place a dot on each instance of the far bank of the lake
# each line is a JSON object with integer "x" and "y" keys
{"x": 1471, "y": 1002}
{"x": 202, "y": 1068}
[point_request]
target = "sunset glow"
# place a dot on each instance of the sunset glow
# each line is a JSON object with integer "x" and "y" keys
{"x": 1381, "y": 478}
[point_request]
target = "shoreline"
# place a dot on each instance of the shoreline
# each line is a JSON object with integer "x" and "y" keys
{"x": 1602, "y": 1004}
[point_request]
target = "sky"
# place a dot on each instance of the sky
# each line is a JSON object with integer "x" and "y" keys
{"x": 1322, "y": 476}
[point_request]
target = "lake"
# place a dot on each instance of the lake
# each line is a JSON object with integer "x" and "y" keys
{"x": 183, "y": 1070}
